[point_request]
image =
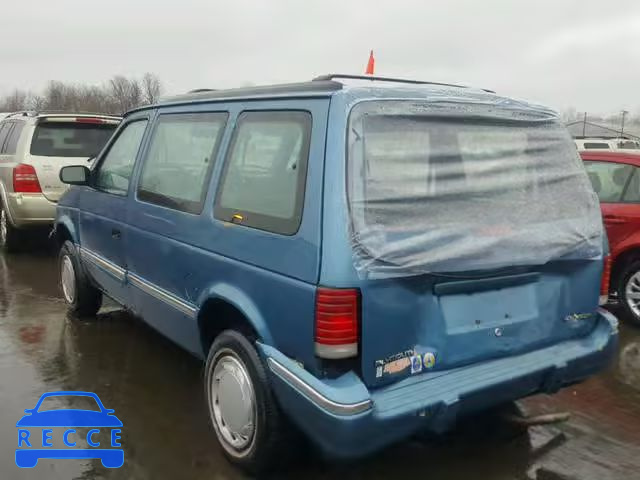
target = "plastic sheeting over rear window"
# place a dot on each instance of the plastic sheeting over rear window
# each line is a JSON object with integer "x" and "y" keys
{"x": 450, "y": 187}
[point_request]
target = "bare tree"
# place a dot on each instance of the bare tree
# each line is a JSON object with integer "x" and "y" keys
{"x": 119, "y": 86}
{"x": 134, "y": 97}
{"x": 16, "y": 101}
{"x": 116, "y": 96}
{"x": 37, "y": 103}
{"x": 152, "y": 88}
{"x": 55, "y": 95}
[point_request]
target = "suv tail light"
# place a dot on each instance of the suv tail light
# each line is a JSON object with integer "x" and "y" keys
{"x": 336, "y": 323}
{"x": 606, "y": 280}
{"x": 25, "y": 179}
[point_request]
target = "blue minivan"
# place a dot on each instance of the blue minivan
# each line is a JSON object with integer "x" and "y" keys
{"x": 356, "y": 258}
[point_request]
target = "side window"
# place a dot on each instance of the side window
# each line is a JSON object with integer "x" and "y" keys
{"x": 12, "y": 141}
{"x": 178, "y": 165}
{"x": 608, "y": 179}
{"x": 632, "y": 193}
{"x": 5, "y": 128}
{"x": 115, "y": 169}
{"x": 263, "y": 181}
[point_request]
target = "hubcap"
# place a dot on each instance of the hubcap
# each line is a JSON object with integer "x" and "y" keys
{"x": 632, "y": 293}
{"x": 68, "y": 279}
{"x": 3, "y": 227}
{"x": 232, "y": 402}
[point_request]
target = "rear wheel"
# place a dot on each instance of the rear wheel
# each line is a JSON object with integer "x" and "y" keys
{"x": 78, "y": 292}
{"x": 629, "y": 292}
{"x": 246, "y": 419}
{"x": 9, "y": 235}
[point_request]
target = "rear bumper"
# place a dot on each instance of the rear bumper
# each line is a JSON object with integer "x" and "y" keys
{"x": 30, "y": 209}
{"x": 347, "y": 420}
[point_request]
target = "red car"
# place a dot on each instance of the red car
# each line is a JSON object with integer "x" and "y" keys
{"x": 615, "y": 177}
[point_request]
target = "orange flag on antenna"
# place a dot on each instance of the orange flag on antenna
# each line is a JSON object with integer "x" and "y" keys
{"x": 370, "y": 64}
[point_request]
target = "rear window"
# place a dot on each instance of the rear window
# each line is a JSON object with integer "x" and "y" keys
{"x": 598, "y": 145}
{"x": 473, "y": 188}
{"x": 59, "y": 139}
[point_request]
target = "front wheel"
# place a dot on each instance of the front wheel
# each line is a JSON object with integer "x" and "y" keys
{"x": 82, "y": 297}
{"x": 246, "y": 419}
{"x": 629, "y": 292}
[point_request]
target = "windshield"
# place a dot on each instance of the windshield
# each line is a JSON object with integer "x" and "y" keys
{"x": 70, "y": 139}
{"x": 76, "y": 402}
{"x": 462, "y": 192}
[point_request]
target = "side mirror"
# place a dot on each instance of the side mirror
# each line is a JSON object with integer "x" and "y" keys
{"x": 29, "y": 410}
{"x": 75, "y": 175}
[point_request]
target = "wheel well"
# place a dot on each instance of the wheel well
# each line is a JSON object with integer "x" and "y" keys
{"x": 62, "y": 235}
{"x": 622, "y": 261}
{"x": 217, "y": 315}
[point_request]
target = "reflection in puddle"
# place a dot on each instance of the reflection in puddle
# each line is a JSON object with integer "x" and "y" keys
{"x": 155, "y": 388}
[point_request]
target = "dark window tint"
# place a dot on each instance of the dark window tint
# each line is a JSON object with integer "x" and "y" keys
{"x": 608, "y": 179}
{"x": 263, "y": 181}
{"x": 181, "y": 154}
{"x": 65, "y": 139}
{"x": 114, "y": 172}
{"x": 596, "y": 145}
{"x": 4, "y": 131}
{"x": 12, "y": 140}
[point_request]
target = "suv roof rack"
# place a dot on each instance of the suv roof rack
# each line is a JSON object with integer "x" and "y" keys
{"x": 34, "y": 113}
{"x": 22, "y": 113}
{"x": 332, "y": 76}
{"x": 200, "y": 90}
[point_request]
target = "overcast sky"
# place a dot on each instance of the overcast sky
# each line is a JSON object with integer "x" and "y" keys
{"x": 581, "y": 53}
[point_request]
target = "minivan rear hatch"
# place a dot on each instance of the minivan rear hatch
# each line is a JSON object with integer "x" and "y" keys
{"x": 475, "y": 231}
{"x": 64, "y": 140}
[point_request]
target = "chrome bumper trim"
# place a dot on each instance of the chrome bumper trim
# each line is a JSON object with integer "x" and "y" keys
{"x": 316, "y": 397}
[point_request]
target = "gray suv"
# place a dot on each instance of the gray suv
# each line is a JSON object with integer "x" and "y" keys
{"x": 33, "y": 148}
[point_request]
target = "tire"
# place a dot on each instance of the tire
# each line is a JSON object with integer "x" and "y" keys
{"x": 81, "y": 296}
{"x": 231, "y": 357}
{"x": 10, "y": 236}
{"x": 630, "y": 286}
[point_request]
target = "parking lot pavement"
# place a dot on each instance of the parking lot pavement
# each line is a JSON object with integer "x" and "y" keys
{"x": 155, "y": 390}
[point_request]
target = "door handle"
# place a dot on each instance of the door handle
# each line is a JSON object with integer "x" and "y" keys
{"x": 115, "y": 233}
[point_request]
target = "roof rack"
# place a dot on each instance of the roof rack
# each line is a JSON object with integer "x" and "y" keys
{"x": 22, "y": 113}
{"x": 200, "y": 90}
{"x": 332, "y": 76}
{"x": 34, "y": 113}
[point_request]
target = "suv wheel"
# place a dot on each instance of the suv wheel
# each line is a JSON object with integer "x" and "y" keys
{"x": 80, "y": 295}
{"x": 9, "y": 235}
{"x": 247, "y": 421}
{"x": 629, "y": 292}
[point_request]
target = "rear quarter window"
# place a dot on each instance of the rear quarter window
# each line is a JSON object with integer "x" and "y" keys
{"x": 5, "y": 128}
{"x": 14, "y": 137}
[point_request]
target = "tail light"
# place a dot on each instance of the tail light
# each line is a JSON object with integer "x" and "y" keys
{"x": 25, "y": 179}
{"x": 606, "y": 280}
{"x": 336, "y": 323}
